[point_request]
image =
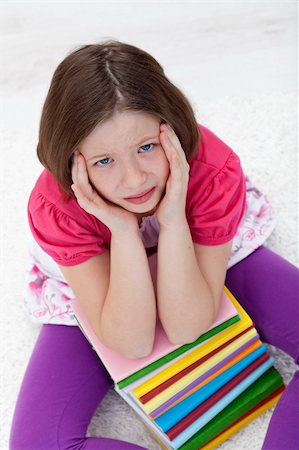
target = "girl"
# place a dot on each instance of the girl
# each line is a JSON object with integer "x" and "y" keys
{"x": 138, "y": 214}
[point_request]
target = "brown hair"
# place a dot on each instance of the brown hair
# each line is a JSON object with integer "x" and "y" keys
{"x": 90, "y": 85}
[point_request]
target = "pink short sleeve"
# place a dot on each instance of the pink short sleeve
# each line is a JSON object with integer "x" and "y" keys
{"x": 216, "y": 198}
{"x": 62, "y": 229}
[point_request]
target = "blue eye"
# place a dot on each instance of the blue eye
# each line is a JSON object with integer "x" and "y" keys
{"x": 104, "y": 161}
{"x": 146, "y": 148}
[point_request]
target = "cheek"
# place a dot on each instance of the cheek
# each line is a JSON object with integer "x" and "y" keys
{"x": 100, "y": 182}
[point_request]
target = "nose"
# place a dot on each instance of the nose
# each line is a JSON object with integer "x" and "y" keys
{"x": 133, "y": 175}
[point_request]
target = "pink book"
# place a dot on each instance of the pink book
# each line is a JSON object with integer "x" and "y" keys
{"x": 121, "y": 367}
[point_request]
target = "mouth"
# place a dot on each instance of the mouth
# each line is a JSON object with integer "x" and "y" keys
{"x": 142, "y": 197}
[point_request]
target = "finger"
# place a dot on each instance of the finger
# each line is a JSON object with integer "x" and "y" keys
{"x": 82, "y": 178}
{"x": 82, "y": 170}
{"x": 172, "y": 140}
{"x": 166, "y": 145}
{"x": 81, "y": 197}
{"x": 170, "y": 133}
{"x": 172, "y": 146}
{"x": 74, "y": 168}
{"x": 176, "y": 168}
{"x": 90, "y": 203}
{"x": 178, "y": 147}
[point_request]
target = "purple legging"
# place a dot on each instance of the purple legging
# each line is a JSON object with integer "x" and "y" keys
{"x": 267, "y": 286}
{"x": 65, "y": 381}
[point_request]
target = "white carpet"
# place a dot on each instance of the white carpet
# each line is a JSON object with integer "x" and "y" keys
{"x": 235, "y": 60}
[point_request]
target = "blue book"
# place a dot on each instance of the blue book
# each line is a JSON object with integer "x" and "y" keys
{"x": 173, "y": 415}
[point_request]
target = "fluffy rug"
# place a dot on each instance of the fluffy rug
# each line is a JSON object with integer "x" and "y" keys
{"x": 235, "y": 60}
{"x": 261, "y": 130}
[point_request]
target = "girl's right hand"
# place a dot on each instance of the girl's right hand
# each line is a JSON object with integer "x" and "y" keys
{"x": 117, "y": 219}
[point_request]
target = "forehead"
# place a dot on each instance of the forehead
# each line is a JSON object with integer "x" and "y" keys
{"x": 124, "y": 128}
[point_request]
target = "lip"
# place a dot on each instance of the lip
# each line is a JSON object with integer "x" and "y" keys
{"x": 141, "y": 198}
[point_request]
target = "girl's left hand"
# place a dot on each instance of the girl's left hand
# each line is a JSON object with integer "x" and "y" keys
{"x": 171, "y": 210}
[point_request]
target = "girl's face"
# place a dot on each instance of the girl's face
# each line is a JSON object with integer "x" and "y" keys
{"x": 125, "y": 161}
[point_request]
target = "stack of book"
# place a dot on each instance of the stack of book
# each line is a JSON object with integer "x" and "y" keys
{"x": 199, "y": 394}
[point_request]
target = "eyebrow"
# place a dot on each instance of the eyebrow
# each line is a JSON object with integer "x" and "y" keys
{"x": 147, "y": 138}
{"x": 104, "y": 155}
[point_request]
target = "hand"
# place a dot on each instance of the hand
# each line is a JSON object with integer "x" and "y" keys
{"x": 117, "y": 219}
{"x": 172, "y": 207}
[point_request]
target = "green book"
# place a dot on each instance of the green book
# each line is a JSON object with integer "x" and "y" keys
{"x": 268, "y": 383}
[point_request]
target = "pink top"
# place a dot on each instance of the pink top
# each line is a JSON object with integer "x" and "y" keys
{"x": 216, "y": 200}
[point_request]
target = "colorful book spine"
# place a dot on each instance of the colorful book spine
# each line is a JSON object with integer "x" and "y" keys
{"x": 172, "y": 416}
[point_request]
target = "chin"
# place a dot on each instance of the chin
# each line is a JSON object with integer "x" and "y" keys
{"x": 146, "y": 211}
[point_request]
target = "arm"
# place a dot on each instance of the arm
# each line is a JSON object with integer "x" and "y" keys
{"x": 129, "y": 312}
{"x": 115, "y": 290}
{"x": 190, "y": 277}
{"x": 190, "y": 284}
